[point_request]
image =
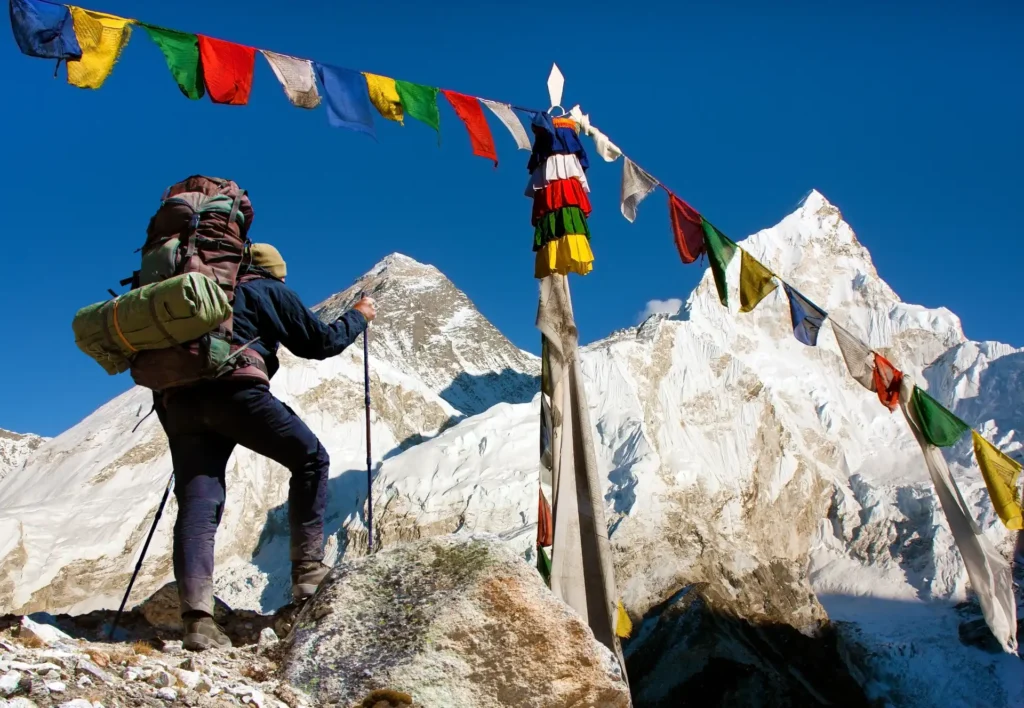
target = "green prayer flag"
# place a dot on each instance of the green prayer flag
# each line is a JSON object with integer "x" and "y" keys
{"x": 721, "y": 249}
{"x": 756, "y": 282}
{"x": 544, "y": 565}
{"x": 181, "y": 50}
{"x": 420, "y": 102}
{"x": 940, "y": 427}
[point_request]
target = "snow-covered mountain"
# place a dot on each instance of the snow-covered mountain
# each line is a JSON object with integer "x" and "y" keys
{"x": 15, "y": 449}
{"x": 736, "y": 458}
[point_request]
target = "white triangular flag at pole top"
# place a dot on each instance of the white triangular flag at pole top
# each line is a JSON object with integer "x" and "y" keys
{"x": 636, "y": 185}
{"x": 508, "y": 118}
{"x": 556, "y": 82}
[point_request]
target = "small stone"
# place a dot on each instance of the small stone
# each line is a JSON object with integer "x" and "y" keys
{"x": 97, "y": 704}
{"x": 21, "y": 702}
{"x": 38, "y": 689}
{"x": 43, "y": 668}
{"x": 268, "y": 640}
{"x": 56, "y": 686}
{"x": 77, "y": 703}
{"x": 9, "y": 683}
{"x": 84, "y": 665}
{"x": 65, "y": 659}
{"x": 173, "y": 647}
{"x": 45, "y": 633}
{"x": 161, "y": 679}
{"x": 100, "y": 659}
{"x": 188, "y": 679}
{"x": 204, "y": 685}
{"x": 168, "y": 694}
{"x": 53, "y": 674}
{"x": 84, "y": 681}
{"x": 129, "y": 675}
{"x": 240, "y": 690}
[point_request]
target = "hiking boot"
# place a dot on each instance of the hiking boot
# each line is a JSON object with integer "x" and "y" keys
{"x": 202, "y": 633}
{"x": 306, "y": 578}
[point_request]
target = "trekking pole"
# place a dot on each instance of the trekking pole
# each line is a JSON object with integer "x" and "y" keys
{"x": 145, "y": 547}
{"x": 369, "y": 456}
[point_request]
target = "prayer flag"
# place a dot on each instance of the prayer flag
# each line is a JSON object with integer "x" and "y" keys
{"x": 227, "y": 70}
{"x": 545, "y": 524}
{"x": 1000, "y": 474}
{"x": 420, "y": 102}
{"x": 756, "y": 282}
{"x": 720, "y": 250}
{"x": 181, "y": 51}
{"x": 508, "y": 118}
{"x": 101, "y": 38}
{"x": 469, "y": 110}
{"x": 384, "y": 96}
{"x": 807, "y": 317}
{"x": 296, "y": 77}
{"x": 686, "y": 228}
{"x": 860, "y": 360}
{"x": 636, "y": 185}
{"x": 347, "y": 98}
{"x": 939, "y": 427}
{"x": 44, "y": 30}
{"x": 887, "y": 381}
{"x": 623, "y": 625}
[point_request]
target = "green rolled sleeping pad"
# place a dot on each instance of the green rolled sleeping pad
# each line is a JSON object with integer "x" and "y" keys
{"x": 155, "y": 316}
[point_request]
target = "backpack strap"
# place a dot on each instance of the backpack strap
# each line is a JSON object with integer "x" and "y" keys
{"x": 234, "y": 206}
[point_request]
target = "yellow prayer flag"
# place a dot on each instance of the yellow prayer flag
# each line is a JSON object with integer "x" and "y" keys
{"x": 1000, "y": 474}
{"x": 384, "y": 97}
{"x": 623, "y": 625}
{"x": 102, "y": 37}
{"x": 755, "y": 282}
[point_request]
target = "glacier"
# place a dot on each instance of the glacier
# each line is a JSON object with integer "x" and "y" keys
{"x": 735, "y": 457}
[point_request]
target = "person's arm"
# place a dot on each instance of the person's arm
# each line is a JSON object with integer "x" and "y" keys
{"x": 305, "y": 334}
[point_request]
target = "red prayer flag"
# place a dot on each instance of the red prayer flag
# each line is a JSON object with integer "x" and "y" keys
{"x": 472, "y": 114}
{"x": 545, "y": 524}
{"x": 686, "y": 226}
{"x": 887, "y": 382}
{"x": 227, "y": 70}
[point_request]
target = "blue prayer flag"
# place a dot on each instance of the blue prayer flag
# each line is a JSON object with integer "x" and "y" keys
{"x": 44, "y": 30}
{"x": 807, "y": 317}
{"x": 347, "y": 98}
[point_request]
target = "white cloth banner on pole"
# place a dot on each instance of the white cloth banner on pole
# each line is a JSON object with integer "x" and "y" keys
{"x": 582, "y": 574}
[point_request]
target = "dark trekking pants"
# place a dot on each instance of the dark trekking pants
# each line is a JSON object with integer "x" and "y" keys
{"x": 203, "y": 425}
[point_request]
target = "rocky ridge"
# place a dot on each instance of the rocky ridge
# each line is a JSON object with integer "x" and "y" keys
{"x": 15, "y": 449}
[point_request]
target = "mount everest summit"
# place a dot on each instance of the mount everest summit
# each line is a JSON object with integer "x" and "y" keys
{"x": 737, "y": 460}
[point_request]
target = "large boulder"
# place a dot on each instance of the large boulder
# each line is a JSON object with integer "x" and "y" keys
{"x": 451, "y": 621}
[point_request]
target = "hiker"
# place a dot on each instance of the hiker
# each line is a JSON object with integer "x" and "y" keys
{"x": 205, "y": 421}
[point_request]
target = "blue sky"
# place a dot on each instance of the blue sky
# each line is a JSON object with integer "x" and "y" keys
{"x": 909, "y": 119}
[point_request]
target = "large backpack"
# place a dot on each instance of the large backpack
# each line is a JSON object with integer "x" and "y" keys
{"x": 201, "y": 226}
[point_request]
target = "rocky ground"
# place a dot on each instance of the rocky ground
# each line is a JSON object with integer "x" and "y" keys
{"x": 450, "y": 622}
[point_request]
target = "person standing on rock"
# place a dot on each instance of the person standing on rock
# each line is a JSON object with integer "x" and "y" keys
{"x": 204, "y": 422}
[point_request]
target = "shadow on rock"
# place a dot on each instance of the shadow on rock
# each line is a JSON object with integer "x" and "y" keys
{"x": 686, "y": 652}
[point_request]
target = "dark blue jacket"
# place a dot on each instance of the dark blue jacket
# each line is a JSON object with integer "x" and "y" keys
{"x": 269, "y": 309}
